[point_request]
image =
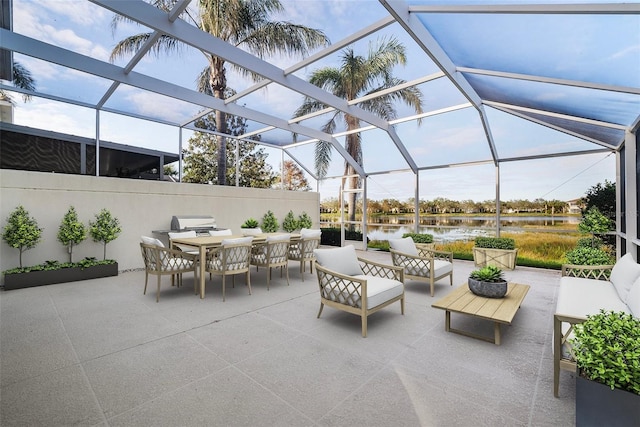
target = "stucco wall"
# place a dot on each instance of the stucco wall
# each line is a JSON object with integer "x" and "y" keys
{"x": 141, "y": 206}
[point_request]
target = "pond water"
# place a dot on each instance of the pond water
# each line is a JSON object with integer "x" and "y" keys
{"x": 451, "y": 228}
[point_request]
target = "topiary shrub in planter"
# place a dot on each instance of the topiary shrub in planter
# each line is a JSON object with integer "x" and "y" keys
{"x": 71, "y": 231}
{"x": 499, "y": 252}
{"x": 607, "y": 351}
{"x": 304, "y": 221}
{"x": 290, "y": 223}
{"x": 104, "y": 229}
{"x": 269, "y": 223}
{"x": 21, "y": 232}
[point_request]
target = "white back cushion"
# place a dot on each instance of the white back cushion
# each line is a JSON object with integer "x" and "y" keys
{"x": 226, "y": 232}
{"x": 238, "y": 241}
{"x": 279, "y": 238}
{"x": 341, "y": 260}
{"x": 178, "y": 234}
{"x": 405, "y": 245}
{"x": 151, "y": 241}
{"x": 633, "y": 298}
{"x": 310, "y": 233}
{"x": 624, "y": 273}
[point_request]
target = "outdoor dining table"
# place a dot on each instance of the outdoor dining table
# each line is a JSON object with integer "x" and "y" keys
{"x": 204, "y": 243}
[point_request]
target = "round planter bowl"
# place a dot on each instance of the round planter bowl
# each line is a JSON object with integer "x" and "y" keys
{"x": 488, "y": 289}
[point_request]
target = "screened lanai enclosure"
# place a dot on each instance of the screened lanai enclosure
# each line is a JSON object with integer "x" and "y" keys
{"x": 510, "y": 92}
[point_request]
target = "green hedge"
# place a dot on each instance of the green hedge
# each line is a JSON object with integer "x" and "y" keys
{"x": 419, "y": 238}
{"x": 331, "y": 236}
{"x": 495, "y": 243}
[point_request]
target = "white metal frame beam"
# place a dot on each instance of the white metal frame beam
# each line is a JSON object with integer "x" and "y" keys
{"x": 430, "y": 46}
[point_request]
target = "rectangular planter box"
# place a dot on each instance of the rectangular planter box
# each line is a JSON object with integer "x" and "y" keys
{"x": 598, "y": 405}
{"x": 501, "y": 258}
{"x": 63, "y": 275}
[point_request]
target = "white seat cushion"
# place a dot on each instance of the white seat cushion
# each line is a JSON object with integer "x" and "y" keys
{"x": 310, "y": 232}
{"x": 381, "y": 290}
{"x": 406, "y": 246}
{"x": 151, "y": 241}
{"x": 341, "y": 260}
{"x": 624, "y": 274}
{"x": 185, "y": 234}
{"x": 226, "y": 232}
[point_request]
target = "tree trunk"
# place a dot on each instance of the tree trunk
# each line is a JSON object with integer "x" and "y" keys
{"x": 218, "y": 87}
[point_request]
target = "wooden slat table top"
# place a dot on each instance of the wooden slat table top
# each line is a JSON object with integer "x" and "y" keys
{"x": 503, "y": 310}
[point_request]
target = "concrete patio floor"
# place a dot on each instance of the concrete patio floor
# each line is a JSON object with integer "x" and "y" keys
{"x": 100, "y": 352}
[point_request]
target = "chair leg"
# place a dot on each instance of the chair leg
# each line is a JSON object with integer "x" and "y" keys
{"x": 286, "y": 268}
{"x": 223, "y": 278}
{"x": 432, "y": 284}
{"x": 402, "y": 305}
{"x": 249, "y": 281}
{"x": 158, "y": 291}
{"x": 320, "y": 312}
{"x": 146, "y": 278}
{"x": 268, "y": 276}
{"x": 364, "y": 325}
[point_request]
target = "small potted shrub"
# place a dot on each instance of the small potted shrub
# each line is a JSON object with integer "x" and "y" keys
{"x": 104, "y": 229}
{"x": 304, "y": 221}
{"x": 290, "y": 223}
{"x": 269, "y": 223}
{"x": 422, "y": 239}
{"x": 250, "y": 227}
{"x": 488, "y": 282}
{"x": 499, "y": 252}
{"x": 606, "y": 347}
{"x": 21, "y": 232}
{"x": 71, "y": 231}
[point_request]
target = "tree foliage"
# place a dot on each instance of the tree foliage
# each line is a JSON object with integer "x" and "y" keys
{"x": 22, "y": 231}
{"x": 603, "y": 197}
{"x": 304, "y": 221}
{"x": 594, "y": 222}
{"x": 104, "y": 229}
{"x": 201, "y": 166}
{"x": 71, "y": 231}
{"x": 245, "y": 23}
{"x": 294, "y": 177}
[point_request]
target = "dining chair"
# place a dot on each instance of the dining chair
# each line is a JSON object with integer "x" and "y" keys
{"x": 302, "y": 250}
{"x": 162, "y": 261}
{"x": 274, "y": 253}
{"x": 183, "y": 234}
{"x": 230, "y": 259}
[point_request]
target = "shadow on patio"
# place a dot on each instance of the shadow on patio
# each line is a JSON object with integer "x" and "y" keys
{"x": 100, "y": 353}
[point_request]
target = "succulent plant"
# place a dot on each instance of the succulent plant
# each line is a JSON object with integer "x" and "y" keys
{"x": 489, "y": 273}
{"x": 250, "y": 223}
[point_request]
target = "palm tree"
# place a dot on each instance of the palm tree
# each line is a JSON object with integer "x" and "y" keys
{"x": 243, "y": 23}
{"x": 357, "y": 77}
{"x": 21, "y": 78}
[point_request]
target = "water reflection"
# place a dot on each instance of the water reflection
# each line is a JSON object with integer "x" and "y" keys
{"x": 452, "y": 228}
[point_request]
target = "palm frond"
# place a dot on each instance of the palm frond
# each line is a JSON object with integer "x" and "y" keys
{"x": 132, "y": 44}
{"x": 273, "y": 38}
{"x": 322, "y": 158}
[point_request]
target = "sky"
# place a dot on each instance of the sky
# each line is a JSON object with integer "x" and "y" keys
{"x": 454, "y": 137}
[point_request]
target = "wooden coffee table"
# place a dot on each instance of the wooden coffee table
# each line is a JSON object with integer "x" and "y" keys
{"x": 498, "y": 310}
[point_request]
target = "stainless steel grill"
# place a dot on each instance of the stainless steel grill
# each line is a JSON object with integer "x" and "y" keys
{"x": 198, "y": 223}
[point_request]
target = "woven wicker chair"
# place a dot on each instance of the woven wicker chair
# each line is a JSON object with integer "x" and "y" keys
{"x": 230, "y": 259}
{"x": 274, "y": 253}
{"x": 421, "y": 262}
{"x": 357, "y": 285}
{"x": 162, "y": 261}
{"x": 302, "y": 250}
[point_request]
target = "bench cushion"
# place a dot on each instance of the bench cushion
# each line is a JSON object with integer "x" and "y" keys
{"x": 624, "y": 274}
{"x": 580, "y": 297}
{"x": 633, "y": 298}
